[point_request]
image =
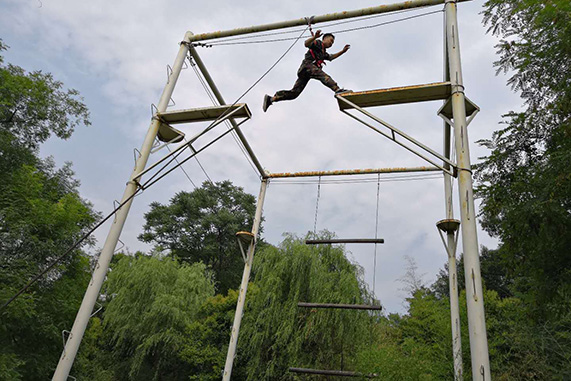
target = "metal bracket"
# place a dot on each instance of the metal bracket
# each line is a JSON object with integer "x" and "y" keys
{"x": 159, "y": 146}
{"x": 393, "y": 137}
{"x": 99, "y": 309}
{"x": 115, "y": 203}
{"x": 245, "y": 238}
{"x": 445, "y": 112}
{"x": 64, "y": 338}
{"x": 169, "y": 73}
{"x": 120, "y": 247}
{"x": 449, "y": 226}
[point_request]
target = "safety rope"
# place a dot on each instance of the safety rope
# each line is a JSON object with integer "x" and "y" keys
{"x": 376, "y": 234}
{"x": 317, "y": 206}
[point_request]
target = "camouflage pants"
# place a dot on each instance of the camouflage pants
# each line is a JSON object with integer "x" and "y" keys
{"x": 304, "y": 74}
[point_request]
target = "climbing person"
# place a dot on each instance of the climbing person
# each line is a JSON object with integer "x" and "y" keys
{"x": 311, "y": 67}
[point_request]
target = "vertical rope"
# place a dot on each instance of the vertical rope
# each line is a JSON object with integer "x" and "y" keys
{"x": 376, "y": 233}
{"x": 317, "y": 205}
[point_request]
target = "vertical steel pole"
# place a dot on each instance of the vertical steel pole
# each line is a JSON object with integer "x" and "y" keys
{"x": 244, "y": 286}
{"x": 474, "y": 295}
{"x": 100, "y": 272}
{"x": 451, "y": 244}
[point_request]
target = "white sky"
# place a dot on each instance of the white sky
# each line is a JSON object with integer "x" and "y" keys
{"x": 115, "y": 54}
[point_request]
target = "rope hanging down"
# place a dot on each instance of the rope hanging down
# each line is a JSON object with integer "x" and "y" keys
{"x": 317, "y": 206}
{"x": 376, "y": 234}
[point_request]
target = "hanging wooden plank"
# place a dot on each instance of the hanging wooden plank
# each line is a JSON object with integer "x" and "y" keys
{"x": 340, "y": 306}
{"x": 342, "y": 373}
{"x": 343, "y": 240}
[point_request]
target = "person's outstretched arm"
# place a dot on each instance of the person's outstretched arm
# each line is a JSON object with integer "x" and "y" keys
{"x": 343, "y": 51}
{"x": 310, "y": 40}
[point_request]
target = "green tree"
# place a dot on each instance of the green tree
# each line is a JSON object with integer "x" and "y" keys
{"x": 200, "y": 226}
{"x": 206, "y": 338}
{"x": 495, "y": 275}
{"x": 33, "y": 106}
{"x": 152, "y": 301}
{"x": 525, "y": 183}
{"x": 414, "y": 346}
{"x": 277, "y": 334}
{"x": 41, "y": 214}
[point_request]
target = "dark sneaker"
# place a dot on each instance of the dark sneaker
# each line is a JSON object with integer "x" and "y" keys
{"x": 343, "y": 91}
{"x": 267, "y": 102}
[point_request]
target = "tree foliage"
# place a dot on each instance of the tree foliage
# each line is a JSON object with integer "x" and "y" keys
{"x": 277, "y": 334}
{"x": 200, "y": 226}
{"x": 525, "y": 183}
{"x": 34, "y": 106}
{"x": 152, "y": 301}
{"x": 41, "y": 214}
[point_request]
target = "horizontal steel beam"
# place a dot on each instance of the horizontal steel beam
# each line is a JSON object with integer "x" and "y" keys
{"x": 319, "y": 19}
{"x": 346, "y": 240}
{"x": 340, "y": 306}
{"x": 342, "y": 373}
{"x": 344, "y": 172}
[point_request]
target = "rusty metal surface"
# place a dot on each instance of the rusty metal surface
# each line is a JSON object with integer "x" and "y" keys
{"x": 397, "y": 95}
{"x": 344, "y": 172}
{"x": 318, "y": 19}
{"x": 205, "y": 114}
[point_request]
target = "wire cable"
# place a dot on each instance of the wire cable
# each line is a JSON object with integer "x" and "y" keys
{"x": 376, "y": 234}
{"x": 324, "y": 25}
{"x": 285, "y": 181}
{"x": 186, "y": 174}
{"x": 334, "y": 32}
{"x": 69, "y": 250}
{"x": 226, "y": 122}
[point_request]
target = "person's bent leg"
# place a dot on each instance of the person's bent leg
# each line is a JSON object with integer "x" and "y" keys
{"x": 287, "y": 95}
{"x": 324, "y": 78}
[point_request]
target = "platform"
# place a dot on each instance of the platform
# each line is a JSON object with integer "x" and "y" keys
{"x": 343, "y": 240}
{"x": 204, "y": 114}
{"x": 396, "y": 95}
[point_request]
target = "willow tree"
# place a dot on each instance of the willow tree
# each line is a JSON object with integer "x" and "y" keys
{"x": 153, "y": 300}
{"x": 278, "y": 334}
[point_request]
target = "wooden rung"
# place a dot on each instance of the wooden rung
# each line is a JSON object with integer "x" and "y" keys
{"x": 346, "y": 240}
{"x": 396, "y": 95}
{"x": 204, "y": 114}
{"x": 342, "y": 373}
{"x": 340, "y": 306}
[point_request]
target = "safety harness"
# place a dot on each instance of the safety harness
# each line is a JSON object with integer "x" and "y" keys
{"x": 318, "y": 63}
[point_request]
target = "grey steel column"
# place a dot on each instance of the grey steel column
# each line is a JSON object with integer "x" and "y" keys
{"x": 100, "y": 272}
{"x": 451, "y": 245}
{"x": 474, "y": 295}
{"x": 244, "y": 286}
